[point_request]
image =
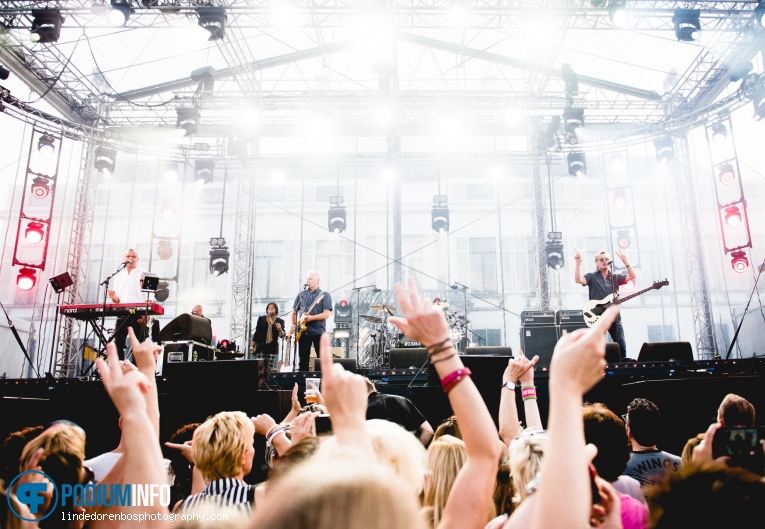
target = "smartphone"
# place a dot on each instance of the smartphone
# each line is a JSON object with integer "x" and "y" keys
{"x": 323, "y": 424}
{"x": 742, "y": 447}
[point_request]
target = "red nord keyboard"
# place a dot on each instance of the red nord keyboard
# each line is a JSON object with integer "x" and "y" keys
{"x": 87, "y": 311}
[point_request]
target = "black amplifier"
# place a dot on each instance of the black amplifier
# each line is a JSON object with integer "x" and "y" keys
{"x": 537, "y": 317}
{"x": 569, "y": 317}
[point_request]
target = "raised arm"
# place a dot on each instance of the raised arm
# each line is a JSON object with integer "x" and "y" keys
{"x": 631, "y": 275}
{"x": 529, "y": 394}
{"x": 145, "y": 355}
{"x": 471, "y": 496}
{"x": 578, "y": 269}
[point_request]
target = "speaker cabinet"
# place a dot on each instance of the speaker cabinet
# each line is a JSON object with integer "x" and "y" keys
{"x": 569, "y": 327}
{"x": 349, "y": 364}
{"x": 613, "y": 353}
{"x": 488, "y": 350}
{"x": 406, "y": 357}
{"x": 539, "y": 340}
{"x": 665, "y": 352}
{"x": 187, "y": 327}
{"x": 221, "y": 373}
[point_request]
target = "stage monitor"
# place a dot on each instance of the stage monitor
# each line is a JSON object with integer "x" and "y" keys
{"x": 665, "y": 352}
{"x": 187, "y": 327}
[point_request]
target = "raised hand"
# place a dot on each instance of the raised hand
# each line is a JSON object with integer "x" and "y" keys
{"x": 345, "y": 393}
{"x": 145, "y": 353}
{"x": 263, "y": 423}
{"x": 124, "y": 383}
{"x": 303, "y": 426}
{"x": 184, "y": 448}
{"x": 578, "y": 257}
{"x": 422, "y": 321}
{"x": 520, "y": 368}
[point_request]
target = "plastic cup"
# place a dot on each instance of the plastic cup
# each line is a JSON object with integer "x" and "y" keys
{"x": 312, "y": 386}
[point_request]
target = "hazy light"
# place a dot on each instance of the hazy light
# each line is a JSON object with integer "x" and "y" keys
{"x": 277, "y": 175}
{"x": 388, "y": 174}
{"x": 496, "y": 173}
{"x": 457, "y": 14}
{"x": 384, "y": 115}
{"x": 286, "y": 15}
{"x": 617, "y": 163}
{"x": 171, "y": 172}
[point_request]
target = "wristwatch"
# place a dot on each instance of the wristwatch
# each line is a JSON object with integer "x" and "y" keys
{"x": 509, "y": 385}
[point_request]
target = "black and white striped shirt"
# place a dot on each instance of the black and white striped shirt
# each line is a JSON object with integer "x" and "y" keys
{"x": 226, "y": 492}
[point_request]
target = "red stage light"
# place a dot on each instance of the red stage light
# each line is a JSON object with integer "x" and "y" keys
{"x": 619, "y": 199}
{"x": 26, "y": 278}
{"x": 40, "y": 188}
{"x": 739, "y": 262}
{"x": 35, "y": 232}
{"x": 623, "y": 239}
{"x": 343, "y": 303}
{"x": 727, "y": 175}
{"x": 733, "y": 217}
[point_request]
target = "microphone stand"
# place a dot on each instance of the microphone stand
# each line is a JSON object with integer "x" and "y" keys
{"x": 464, "y": 289}
{"x": 105, "y": 284}
{"x": 18, "y": 339}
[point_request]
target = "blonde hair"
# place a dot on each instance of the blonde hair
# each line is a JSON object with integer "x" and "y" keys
{"x": 220, "y": 442}
{"x": 526, "y": 461}
{"x": 335, "y": 492}
{"x": 60, "y": 437}
{"x": 446, "y": 456}
{"x": 602, "y": 252}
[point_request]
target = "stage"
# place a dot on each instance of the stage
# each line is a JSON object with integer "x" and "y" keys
{"x": 687, "y": 394}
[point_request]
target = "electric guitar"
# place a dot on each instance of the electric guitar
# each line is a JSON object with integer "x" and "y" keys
{"x": 301, "y": 323}
{"x": 594, "y": 309}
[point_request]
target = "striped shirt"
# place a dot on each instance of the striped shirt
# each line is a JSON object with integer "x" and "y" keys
{"x": 226, "y": 492}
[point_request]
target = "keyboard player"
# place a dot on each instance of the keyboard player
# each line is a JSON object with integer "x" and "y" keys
{"x": 126, "y": 288}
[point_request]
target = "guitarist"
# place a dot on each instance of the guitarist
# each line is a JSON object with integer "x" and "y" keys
{"x": 307, "y": 310}
{"x": 601, "y": 283}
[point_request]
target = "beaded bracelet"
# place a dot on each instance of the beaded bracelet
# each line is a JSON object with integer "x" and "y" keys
{"x": 454, "y": 378}
{"x": 528, "y": 393}
{"x": 275, "y": 433}
{"x": 446, "y": 347}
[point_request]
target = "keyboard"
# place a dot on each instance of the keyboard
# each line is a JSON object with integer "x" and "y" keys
{"x": 96, "y": 310}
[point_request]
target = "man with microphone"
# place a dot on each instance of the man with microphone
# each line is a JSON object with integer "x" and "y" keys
{"x": 126, "y": 288}
{"x": 601, "y": 283}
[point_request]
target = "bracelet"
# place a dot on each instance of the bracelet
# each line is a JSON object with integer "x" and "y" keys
{"x": 434, "y": 362}
{"x": 509, "y": 385}
{"x": 435, "y": 346}
{"x": 454, "y": 378}
{"x": 446, "y": 347}
{"x": 270, "y": 430}
{"x": 528, "y": 393}
{"x": 274, "y": 434}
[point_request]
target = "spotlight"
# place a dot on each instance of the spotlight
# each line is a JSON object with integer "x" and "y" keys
{"x": 40, "y": 187}
{"x": 739, "y": 262}
{"x": 277, "y": 175}
{"x": 719, "y": 133}
{"x": 733, "y": 216}
{"x": 165, "y": 249}
{"x": 105, "y": 160}
{"x": 759, "y": 107}
{"x": 573, "y": 121}
{"x": 687, "y": 24}
{"x": 188, "y": 120}
{"x": 619, "y": 200}
{"x": 617, "y": 12}
{"x": 213, "y": 19}
{"x": 617, "y": 164}
{"x": 168, "y": 211}
{"x": 171, "y": 172}
{"x": 4, "y": 73}
{"x": 727, "y": 175}
{"x": 554, "y": 250}
{"x": 759, "y": 13}
{"x": 219, "y": 260}
{"x": 45, "y": 145}
{"x": 35, "y": 232}
{"x": 46, "y": 25}
{"x": 119, "y": 13}
{"x": 162, "y": 292}
{"x": 203, "y": 171}
{"x": 336, "y": 219}
{"x": 623, "y": 239}
{"x": 665, "y": 149}
{"x": 26, "y": 278}
{"x": 439, "y": 215}
{"x": 577, "y": 163}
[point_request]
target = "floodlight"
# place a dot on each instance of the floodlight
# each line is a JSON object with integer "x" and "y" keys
{"x": 165, "y": 249}
{"x": 40, "y": 187}
{"x": 617, "y": 12}
{"x": 623, "y": 239}
{"x": 35, "y": 232}
{"x": 554, "y": 250}
{"x": 719, "y": 133}
{"x": 188, "y": 120}
{"x": 665, "y": 149}
{"x": 336, "y": 219}
{"x": 203, "y": 171}
{"x": 727, "y": 175}
{"x": 577, "y": 163}
{"x": 440, "y": 218}
{"x": 733, "y": 216}
{"x": 105, "y": 160}
{"x": 26, "y": 278}
{"x": 168, "y": 211}
{"x": 687, "y": 24}
{"x": 46, "y": 25}
{"x": 619, "y": 199}
{"x": 213, "y": 19}
{"x": 739, "y": 262}
{"x": 119, "y": 13}
{"x": 573, "y": 123}
{"x": 219, "y": 261}
{"x": 45, "y": 145}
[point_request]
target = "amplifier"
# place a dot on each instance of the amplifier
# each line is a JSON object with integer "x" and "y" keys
{"x": 566, "y": 317}
{"x": 539, "y": 340}
{"x": 537, "y": 317}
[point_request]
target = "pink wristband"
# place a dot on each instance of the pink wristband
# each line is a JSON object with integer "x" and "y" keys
{"x": 528, "y": 392}
{"x": 454, "y": 378}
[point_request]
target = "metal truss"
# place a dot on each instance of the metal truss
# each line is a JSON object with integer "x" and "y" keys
{"x": 244, "y": 255}
{"x": 539, "y": 214}
{"x": 701, "y": 311}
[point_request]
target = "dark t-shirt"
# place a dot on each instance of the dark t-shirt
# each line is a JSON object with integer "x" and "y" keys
{"x": 600, "y": 286}
{"x": 394, "y": 408}
{"x": 304, "y": 300}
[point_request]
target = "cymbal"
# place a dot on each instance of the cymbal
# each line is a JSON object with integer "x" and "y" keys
{"x": 374, "y": 319}
{"x": 442, "y": 304}
{"x": 384, "y": 308}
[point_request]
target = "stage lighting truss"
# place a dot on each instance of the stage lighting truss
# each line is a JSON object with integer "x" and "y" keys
{"x": 439, "y": 215}
{"x": 213, "y": 19}
{"x": 105, "y": 160}
{"x": 739, "y": 261}
{"x": 46, "y": 145}
{"x": 577, "y": 163}
{"x": 687, "y": 24}
{"x": 40, "y": 187}
{"x": 665, "y": 149}
{"x": 554, "y": 250}
{"x": 26, "y": 278}
{"x": 573, "y": 123}
{"x": 733, "y": 217}
{"x": 35, "y": 232}
{"x": 726, "y": 174}
{"x": 46, "y": 25}
{"x": 188, "y": 120}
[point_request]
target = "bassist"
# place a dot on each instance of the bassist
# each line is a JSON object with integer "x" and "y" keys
{"x": 601, "y": 283}
{"x": 310, "y": 311}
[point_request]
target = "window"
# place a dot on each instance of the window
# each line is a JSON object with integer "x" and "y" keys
{"x": 324, "y": 192}
{"x": 269, "y": 264}
{"x": 272, "y": 193}
{"x": 661, "y": 333}
{"x": 479, "y": 192}
{"x": 489, "y": 337}
{"x": 483, "y": 264}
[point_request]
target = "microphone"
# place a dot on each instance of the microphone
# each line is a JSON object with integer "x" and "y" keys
{"x": 127, "y": 262}
{"x": 305, "y": 286}
{"x": 376, "y": 290}
{"x": 454, "y": 286}
{"x": 609, "y": 263}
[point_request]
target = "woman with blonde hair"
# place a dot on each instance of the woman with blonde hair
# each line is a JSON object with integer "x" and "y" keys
{"x": 526, "y": 454}
{"x": 446, "y": 456}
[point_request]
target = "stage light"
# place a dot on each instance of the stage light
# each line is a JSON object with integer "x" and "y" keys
{"x": 457, "y": 13}
{"x": 687, "y": 24}
{"x": 119, "y": 13}
{"x": 554, "y": 250}
{"x": 203, "y": 171}
{"x": 336, "y": 219}
{"x": 577, "y": 163}
{"x": 759, "y": 107}
{"x": 219, "y": 261}
{"x": 168, "y": 211}
{"x": 171, "y": 172}
{"x": 213, "y": 19}
{"x": 727, "y": 175}
{"x": 739, "y": 262}
{"x": 40, "y": 187}
{"x": 439, "y": 215}
{"x": 759, "y": 13}
{"x": 105, "y": 160}
{"x": 4, "y": 73}
{"x": 46, "y": 25}
{"x": 719, "y": 133}
{"x": 35, "y": 232}
{"x": 617, "y": 164}
{"x": 165, "y": 249}
{"x": 277, "y": 175}
{"x": 45, "y": 145}
{"x": 573, "y": 122}
{"x": 619, "y": 200}
{"x": 26, "y": 278}
{"x": 343, "y": 313}
{"x": 617, "y": 12}
{"x": 623, "y": 239}
{"x": 665, "y": 149}
{"x": 162, "y": 292}
{"x": 188, "y": 119}
{"x": 733, "y": 216}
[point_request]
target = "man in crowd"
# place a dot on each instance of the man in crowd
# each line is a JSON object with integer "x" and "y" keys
{"x": 647, "y": 463}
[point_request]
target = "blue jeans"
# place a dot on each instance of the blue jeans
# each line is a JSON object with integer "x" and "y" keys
{"x": 616, "y": 331}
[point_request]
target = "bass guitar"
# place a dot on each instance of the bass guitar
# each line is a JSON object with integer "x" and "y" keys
{"x": 301, "y": 323}
{"x": 594, "y": 309}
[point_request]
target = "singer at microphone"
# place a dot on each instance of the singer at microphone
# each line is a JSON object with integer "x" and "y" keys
{"x": 310, "y": 311}
{"x": 602, "y": 284}
{"x": 126, "y": 288}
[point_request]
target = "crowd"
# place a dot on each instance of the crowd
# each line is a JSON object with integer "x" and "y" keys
{"x": 383, "y": 466}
